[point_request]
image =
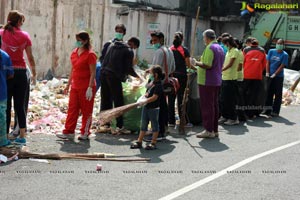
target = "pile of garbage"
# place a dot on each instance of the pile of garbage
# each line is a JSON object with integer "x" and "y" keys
{"x": 291, "y": 88}
{"x": 47, "y": 110}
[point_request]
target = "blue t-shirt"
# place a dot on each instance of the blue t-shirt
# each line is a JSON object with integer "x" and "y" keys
{"x": 275, "y": 59}
{"x": 6, "y": 69}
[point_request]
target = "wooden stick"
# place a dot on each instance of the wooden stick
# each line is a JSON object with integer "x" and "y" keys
{"x": 293, "y": 87}
{"x": 187, "y": 88}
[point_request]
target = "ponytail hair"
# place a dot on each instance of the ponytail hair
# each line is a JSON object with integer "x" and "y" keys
{"x": 13, "y": 19}
{"x": 230, "y": 41}
{"x": 83, "y": 35}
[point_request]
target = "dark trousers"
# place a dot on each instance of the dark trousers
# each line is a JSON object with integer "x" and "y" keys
{"x": 252, "y": 91}
{"x": 240, "y": 101}
{"x": 209, "y": 103}
{"x": 27, "y": 95}
{"x": 111, "y": 94}
{"x": 163, "y": 116}
{"x": 228, "y": 99}
{"x": 182, "y": 79}
{"x": 17, "y": 89}
{"x": 275, "y": 88}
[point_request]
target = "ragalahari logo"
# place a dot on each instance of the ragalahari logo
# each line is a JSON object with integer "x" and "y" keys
{"x": 246, "y": 8}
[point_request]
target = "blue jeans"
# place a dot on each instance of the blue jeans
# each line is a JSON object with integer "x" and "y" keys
{"x": 150, "y": 115}
{"x": 3, "y": 135}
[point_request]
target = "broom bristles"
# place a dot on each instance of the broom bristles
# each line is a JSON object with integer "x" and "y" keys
{"x": 108, "y": 115}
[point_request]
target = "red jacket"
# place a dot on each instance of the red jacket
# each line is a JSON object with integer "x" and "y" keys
{"x": 254, "y": 62}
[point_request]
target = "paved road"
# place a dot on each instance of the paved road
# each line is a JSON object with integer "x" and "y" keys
{"x": 176, "y": 165}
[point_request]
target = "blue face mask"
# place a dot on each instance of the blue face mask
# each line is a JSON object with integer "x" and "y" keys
{"x": 279, "y": 46}
{"x": 119, "y": 36}
{"x": 156, "y": 46}
{"x": 78, "y": 44}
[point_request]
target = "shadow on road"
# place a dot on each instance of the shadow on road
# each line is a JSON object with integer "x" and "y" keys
{"x": 72, "y": 146}
{"x": 240, "y": 129}
{"x": 213, "y": 145}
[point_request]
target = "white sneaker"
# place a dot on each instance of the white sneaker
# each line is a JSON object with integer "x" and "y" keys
{"x": 222, "y": 120}
{"x": 65, "y": 136}
{"x": 206, "y": 134}
{"x": 231, "y": 122}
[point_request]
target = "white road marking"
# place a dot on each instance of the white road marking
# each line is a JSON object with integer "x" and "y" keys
{"x": 224, "y": 172}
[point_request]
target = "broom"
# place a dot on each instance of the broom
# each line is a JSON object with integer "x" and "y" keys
{"x": 10, "y": 152}
{"x": 187, "y": 90}
{"x": 108, "y": 115}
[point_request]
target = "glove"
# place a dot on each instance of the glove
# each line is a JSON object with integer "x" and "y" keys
{"x": 273, "y": 75}
{"x": 267, "y": 74}
{"x": 142, "y": 101}
{"x": 193, "y": 61}
{"x": 89, "y": 93}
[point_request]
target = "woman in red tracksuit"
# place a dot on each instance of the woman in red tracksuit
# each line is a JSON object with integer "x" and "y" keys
{"x": 83, "y": 88}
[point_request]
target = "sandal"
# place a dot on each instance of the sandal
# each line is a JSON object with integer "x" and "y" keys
{"x": 136, "y": 145}
{"x": 150, "y": 146}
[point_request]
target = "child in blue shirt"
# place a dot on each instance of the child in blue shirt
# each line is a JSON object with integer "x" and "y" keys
{"x": 6, "y": 71}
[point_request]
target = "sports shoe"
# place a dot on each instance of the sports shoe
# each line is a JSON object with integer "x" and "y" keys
{"x": 206, "y": 134}
{"x": 222, "y": 120}
{"x": 171, "y": 125}
{"x": 65, "y": 136}
{"x": 189, "y": 125}
{"x": 14, "y": 134}
{"x": 20, "y": 141}
{"x": 83, "y": 137}
{"x": 231, "y": 122}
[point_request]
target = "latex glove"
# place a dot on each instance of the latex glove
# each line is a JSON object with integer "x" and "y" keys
{"x": 89, "y": 93}
{"x": 267, "y": 74}
{"x": 193, "y": 61}
{"x": 273, "y": 75}
{"x": 142, "y": 101}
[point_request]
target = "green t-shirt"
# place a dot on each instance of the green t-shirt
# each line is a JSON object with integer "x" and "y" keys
{"x": 231, "y": 73}
{"x": 207, "y": 58}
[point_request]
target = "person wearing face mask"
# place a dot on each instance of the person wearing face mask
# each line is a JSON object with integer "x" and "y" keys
{"x": 120, "y": 31}
{"x": 162, "y": 56}
{"x": 14, "y": 42}
{"x": 182, "y": 62}
{"x": 277, "y": 59}
{"x": 209, "y": 72}
{"x": 254, "y": 65}
{"x": 83, "y": 88}
{"x": 116, "y": 66}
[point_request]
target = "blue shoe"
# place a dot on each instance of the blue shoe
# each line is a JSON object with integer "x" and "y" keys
{"x": 20, "y": 141}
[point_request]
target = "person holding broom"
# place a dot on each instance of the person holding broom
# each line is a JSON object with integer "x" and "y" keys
{"x": 150, "y": 111}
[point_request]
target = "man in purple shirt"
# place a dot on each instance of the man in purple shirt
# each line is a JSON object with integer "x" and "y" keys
{"x": 209, "y": 70}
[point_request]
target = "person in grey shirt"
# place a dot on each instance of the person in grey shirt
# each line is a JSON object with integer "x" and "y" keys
{"x": 162, "y": 52}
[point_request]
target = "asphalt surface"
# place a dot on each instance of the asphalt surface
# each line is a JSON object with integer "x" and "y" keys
{"x": 178, "y": 162}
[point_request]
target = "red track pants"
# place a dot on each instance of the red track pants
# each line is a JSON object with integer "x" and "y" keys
{"x": 77, "y": 103}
